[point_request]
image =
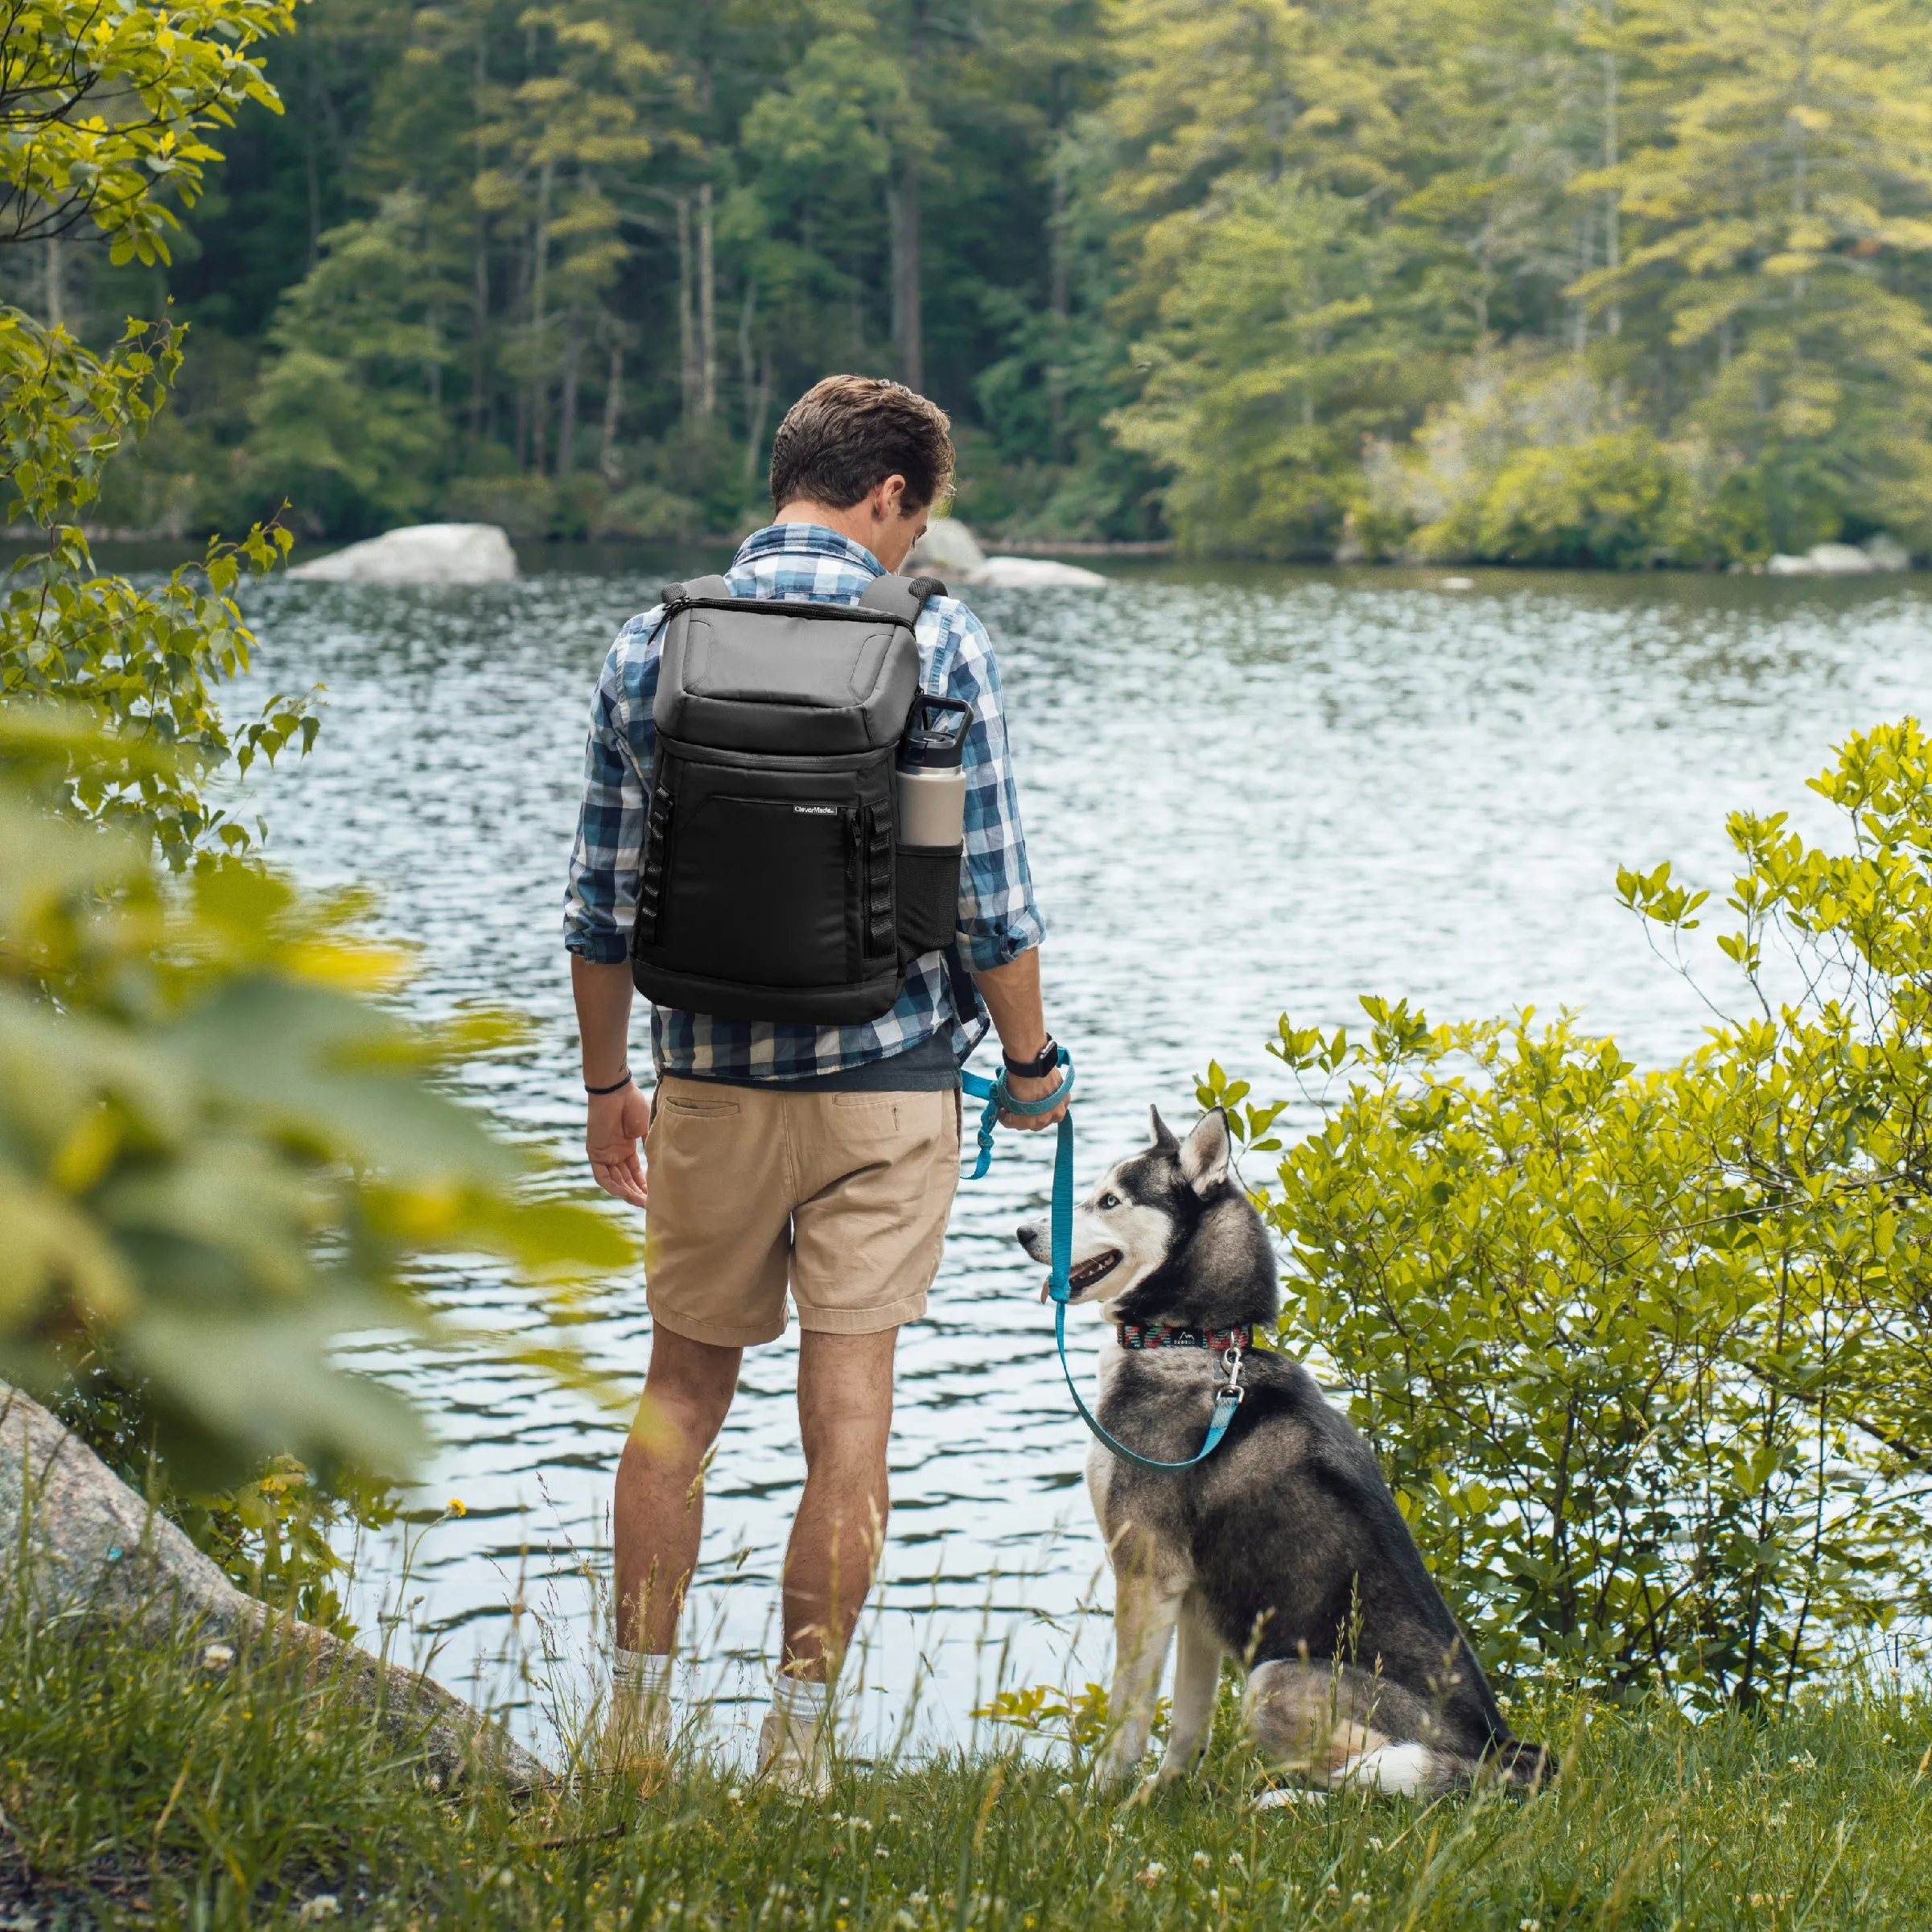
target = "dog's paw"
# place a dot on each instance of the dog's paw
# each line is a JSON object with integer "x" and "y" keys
{"x": 1285, "y": 1796}
{"x": 1113, "y": 1769}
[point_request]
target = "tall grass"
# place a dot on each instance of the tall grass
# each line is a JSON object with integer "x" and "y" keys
{"x": 144, "y": 1783}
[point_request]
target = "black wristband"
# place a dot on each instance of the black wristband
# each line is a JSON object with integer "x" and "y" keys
{"x": 618, "y": 1087}
{"x": 1037, "y": 1068}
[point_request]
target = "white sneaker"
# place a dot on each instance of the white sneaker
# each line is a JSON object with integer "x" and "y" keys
{"x": 636, "y": 1744}
{"x": 793, "y": 1752}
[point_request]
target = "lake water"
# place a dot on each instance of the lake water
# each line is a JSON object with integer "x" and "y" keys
{"x": 1246, "y": 792}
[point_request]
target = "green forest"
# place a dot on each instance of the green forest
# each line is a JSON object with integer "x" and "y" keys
{"x": 1643, "y": 282}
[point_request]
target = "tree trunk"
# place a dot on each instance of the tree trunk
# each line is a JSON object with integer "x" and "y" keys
{"x": 93, "y": 1549}
{"x": 312, "y": 164}
{"x": 566, "y": 426}
{"x": 539, "y": 326}
{"x": 687, "y": 316}
{"x": 1613, "y": 319}
{"x": 479, "y": 277}
{"x": 907, "y": 336}
{"x": 707, "y": 309}
{"x": 56, "y": 292}
{"x": 756, "y": 387}
{"x": 613, "y": 410}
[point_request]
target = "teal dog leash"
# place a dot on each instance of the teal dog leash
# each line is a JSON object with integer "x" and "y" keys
{"x": 998, "y": 1098}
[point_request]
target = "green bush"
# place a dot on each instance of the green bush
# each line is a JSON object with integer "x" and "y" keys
{"x": 219, "y": 1145}
{"x": 1647, "y": 1356}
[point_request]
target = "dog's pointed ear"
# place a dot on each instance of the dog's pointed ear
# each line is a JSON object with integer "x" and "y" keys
{"x": 1203, "y": 1155}
{"x": 1163, "y": 1134}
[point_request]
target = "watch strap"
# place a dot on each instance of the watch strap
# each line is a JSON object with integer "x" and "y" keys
{"x": 1037, "y": 1068}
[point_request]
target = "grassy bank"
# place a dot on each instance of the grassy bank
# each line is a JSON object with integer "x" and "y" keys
{"x": 143, "y": 1788}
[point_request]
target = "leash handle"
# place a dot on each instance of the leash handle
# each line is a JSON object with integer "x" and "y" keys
{"x": 999, "y": 1099}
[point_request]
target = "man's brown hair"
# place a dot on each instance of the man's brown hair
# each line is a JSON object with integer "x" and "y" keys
{"x": 846, "y": 435}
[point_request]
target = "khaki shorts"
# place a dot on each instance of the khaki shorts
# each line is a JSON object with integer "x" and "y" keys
{"x": 844, "y": 1195}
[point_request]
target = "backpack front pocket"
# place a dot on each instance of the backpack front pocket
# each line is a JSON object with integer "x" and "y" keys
{"x": 760, "y": 892}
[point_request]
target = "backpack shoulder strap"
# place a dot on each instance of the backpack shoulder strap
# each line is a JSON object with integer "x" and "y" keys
{"x": 707, "y": 588}
{"x": 903, "y": 598}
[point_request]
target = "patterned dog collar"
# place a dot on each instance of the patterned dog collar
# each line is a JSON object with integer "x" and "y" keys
{"x": 1157, "y": 1335}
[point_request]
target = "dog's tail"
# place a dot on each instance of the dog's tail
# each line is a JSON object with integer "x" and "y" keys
{"x": 1512, "y": 1761}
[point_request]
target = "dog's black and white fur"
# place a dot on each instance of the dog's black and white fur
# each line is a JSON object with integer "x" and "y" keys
{"x": 1284, "y": 1548}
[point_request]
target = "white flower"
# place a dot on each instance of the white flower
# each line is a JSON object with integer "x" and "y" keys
{"x": 1063, "y": 1791}
{"x": 917, "y": 1898}
{"x": 1201, "y": 1858}
{"x": 1151, "y": 1873}
{"x": 1360, "y": 1898}
{"x": 324, "y": 1905}
{"x": 882, "y": 1852}
{"x": 1529, "y": 1924}
{"x": 218, "y": 1656}
{"x": 1375, "y": 1844}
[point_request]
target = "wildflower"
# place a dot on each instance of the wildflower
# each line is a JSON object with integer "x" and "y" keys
{"x": 882, "y": 1852}
{"x": 892, "y": 1818}
{"x": 735, "y": 1796}
{"x": 217, "y": 1657}
{"x": 1375, "y": 1844}
{"x": 917, "y": 1898}
{"x": 1151, "y": 1874}
{"x": 506, "y": 1878}
{"x": 1063, "y": 1791}
{"x": 458, "y": 1507}
{"x": 1201, "y": 1858}
{"x": 1360, "y": 1898}
{"x": 324, "y": 1905}
{"x": 1529, "y": 1924}
{"x": 862, "y": 1824}
{"x": 845, "y": 1901}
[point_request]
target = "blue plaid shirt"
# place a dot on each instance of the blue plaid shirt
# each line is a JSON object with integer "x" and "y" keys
{"x": 997, "y": 919}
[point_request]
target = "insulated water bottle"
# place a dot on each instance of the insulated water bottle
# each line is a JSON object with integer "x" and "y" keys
{"x": 931, "y": 793}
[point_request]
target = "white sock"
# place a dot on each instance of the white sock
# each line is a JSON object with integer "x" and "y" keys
{"x": 639, "y": 1676}
{"x": 802, "y": 1702}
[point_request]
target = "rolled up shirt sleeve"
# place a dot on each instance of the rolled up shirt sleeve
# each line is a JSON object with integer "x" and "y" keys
{"x": 600, "y": 901}
{"x": 998, "y": 919}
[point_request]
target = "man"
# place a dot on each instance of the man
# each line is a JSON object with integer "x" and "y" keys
{"x": 821, "y": 1157}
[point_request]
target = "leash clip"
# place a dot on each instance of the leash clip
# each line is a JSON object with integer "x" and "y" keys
{"x": 1230, "y": 1359}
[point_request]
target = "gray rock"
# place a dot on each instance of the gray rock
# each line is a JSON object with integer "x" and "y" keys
{"x": 93, "y": 1547}
{"x": 1034, "y": 573}
{"x": 424, "y": 553}
{"x": 948, "y": 550}
{"x": 1782, "y": 565}
{"x": 1887, "y": 552}
{"x": 1838, "y": 560}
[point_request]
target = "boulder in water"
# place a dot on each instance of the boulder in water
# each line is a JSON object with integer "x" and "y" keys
{"x": 423, "y": 553}
{"x": 948, "y": 550}
{"x": 1033, "y": 573}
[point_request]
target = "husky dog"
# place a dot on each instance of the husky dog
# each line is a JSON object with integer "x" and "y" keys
{"x": 1282, "y": 1548}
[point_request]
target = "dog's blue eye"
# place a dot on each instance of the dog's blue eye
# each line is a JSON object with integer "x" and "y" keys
{"x": 1110, "y": 1201}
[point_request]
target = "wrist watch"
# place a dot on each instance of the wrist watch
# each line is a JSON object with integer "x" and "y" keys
{"x": 1042, "y": 1063}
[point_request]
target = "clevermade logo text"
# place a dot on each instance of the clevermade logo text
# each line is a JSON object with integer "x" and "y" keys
{"x": 817, "y": 811}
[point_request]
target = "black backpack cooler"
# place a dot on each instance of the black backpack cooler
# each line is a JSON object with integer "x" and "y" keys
{"x": 772, "y": 885}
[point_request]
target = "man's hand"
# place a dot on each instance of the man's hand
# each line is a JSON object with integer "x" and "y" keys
{"x": 618, "y": 1123}
{"x": 1022, "y": 1088}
